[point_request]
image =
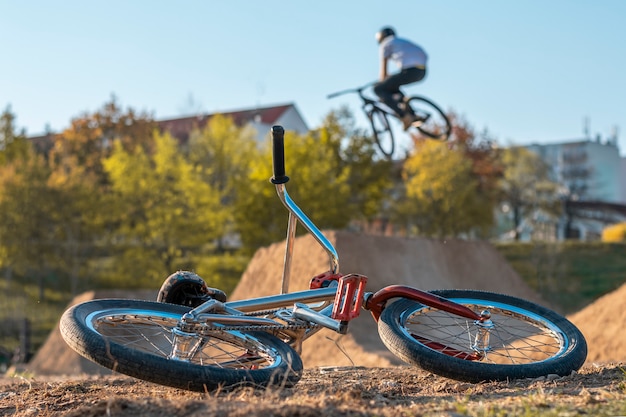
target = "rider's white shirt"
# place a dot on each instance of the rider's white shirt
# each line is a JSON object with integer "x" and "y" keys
{"x": 404, "y": 53}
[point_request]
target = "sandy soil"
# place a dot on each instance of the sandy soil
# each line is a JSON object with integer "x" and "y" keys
{"x": 351, "y": 391}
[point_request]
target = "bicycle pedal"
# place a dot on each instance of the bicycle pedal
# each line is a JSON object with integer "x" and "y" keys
{"x": 349, "y": 297}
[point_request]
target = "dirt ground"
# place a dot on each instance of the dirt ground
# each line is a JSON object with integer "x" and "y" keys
{"x": 350, "y": 375}
{"x": 344, "y": 391}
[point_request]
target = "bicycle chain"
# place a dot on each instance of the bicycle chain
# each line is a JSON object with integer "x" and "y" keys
{"x": 248, "y": 328}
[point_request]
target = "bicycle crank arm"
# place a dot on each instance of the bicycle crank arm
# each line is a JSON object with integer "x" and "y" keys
{"x": 302, "y": 312}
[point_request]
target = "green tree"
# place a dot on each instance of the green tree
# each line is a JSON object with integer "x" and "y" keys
{"x": 525, "y": 186}
{"x": 262, "y": 219}
{"x": 165, "y": 211}
{"x": 370, "y": 178}
{"x": 335, "y": 179}
{"x": 440, "y": 194}
{"x": 319, "y": 185}
{"x": 13, "y": 143}
{"x": 48, "y": 208}
{"x": 27, "y": 232}
{"x": 223, "y": 153}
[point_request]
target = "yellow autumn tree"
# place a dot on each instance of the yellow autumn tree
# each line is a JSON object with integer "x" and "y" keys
{"x": 318, "y": 184}
{"x": 440, "y": 193}
{"x": 165, "y": 213}
{"x": 90, "y": 137}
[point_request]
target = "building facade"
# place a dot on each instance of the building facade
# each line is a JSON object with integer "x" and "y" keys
{"x": 591, "y": 170}
{"x": 592, "y": 175}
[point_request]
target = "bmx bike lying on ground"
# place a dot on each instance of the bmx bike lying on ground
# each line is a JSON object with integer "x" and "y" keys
{"x": 193, "y": 338}
{"x": 432, "y": 122}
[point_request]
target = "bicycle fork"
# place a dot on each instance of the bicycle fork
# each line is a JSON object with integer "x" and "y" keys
{"x": 480, "y": 342}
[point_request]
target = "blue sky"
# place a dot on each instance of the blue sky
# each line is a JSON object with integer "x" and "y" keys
{"x": 527, "y": 71}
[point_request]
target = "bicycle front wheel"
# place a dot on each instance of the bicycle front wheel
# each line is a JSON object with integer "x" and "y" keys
{"x": 383, "y": 135}
{"x": 435, "y": 123}
{"x": 523, "y": 339}
{"x": 136, "y": 338}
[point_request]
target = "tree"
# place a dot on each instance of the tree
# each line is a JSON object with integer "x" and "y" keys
{"x": 90, "y": 137}
{"x": 223, "y": 152}
{"x": 484, "y": 155}
{"x": 26, "y": 219}
{"x": 333, "y": 179}
{"x": 525, "y": 186}
{"x": 440, "y": 194}
{"x": 370, "y": 178}
{"x": 13, "y": 144}
{"x": 48, "y": 211}
{"x": 317, "y": 184}
{"x": 165, "y": 211}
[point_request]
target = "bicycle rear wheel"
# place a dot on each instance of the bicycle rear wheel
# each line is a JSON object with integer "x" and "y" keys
{"x": 525, "y": 341}
{"x": 137, "y": 338}
{"x": 383, "y": 135}
{"x": 435, "y": 123}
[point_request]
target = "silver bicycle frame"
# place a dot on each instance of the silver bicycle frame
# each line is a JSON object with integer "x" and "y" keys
{"x": 296, "y": 301}
{"x": 295, "y": 215}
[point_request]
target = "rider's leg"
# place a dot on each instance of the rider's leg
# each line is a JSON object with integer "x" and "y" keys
{"x": 389, "y": 92}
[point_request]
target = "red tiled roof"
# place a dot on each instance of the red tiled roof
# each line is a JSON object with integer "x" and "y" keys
{"x": 267, "y": 115}
{"x": 181, "y": 128}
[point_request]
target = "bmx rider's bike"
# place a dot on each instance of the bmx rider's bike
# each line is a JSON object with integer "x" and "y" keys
{"x": 193, "y": 338}
{"x": 431, "y": 122}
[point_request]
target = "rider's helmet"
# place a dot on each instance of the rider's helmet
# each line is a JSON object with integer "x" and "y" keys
{"x": 383, "y": 33}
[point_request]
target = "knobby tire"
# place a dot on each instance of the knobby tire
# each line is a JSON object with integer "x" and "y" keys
{"x": 381, "y": 130}
{"x": 528, "y": 340}
{"x": 436, "y": 124}
{"x": 134, "y": 337}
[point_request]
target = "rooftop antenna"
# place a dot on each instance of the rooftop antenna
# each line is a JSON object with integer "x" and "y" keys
{"x": 586, "y": 127}
{"x": 614, "y": 134}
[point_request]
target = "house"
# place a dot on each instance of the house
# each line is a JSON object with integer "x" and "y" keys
{"x": 259, "y": 118}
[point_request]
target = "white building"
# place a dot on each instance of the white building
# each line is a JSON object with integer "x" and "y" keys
{"x": 593, "y": 176}
{"x": 591, "y": 170}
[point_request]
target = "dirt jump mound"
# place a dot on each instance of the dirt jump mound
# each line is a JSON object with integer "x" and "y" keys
{"x": 603, "y": 323}
{"x": 55, "y": 357}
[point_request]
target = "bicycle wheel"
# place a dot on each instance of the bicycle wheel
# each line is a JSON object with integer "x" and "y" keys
{"x": 136, "y": 338}
{"x": 526, "y": 340}
{"x": 383, "y": 135}
{"x": 435, "y": 124}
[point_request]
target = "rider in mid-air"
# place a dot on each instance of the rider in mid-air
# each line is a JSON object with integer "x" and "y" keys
{"x": 411, "y": 61}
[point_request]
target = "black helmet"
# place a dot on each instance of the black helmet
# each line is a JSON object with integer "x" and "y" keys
{"x": 383, "y": 33}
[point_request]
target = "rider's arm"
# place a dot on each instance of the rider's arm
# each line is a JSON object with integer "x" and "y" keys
{"x": 383, "y": 68}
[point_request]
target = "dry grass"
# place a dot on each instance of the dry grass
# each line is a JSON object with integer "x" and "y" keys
{"x": 344, "y": 391}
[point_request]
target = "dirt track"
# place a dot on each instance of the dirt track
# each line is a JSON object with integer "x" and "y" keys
{"x": 389, "y": 392}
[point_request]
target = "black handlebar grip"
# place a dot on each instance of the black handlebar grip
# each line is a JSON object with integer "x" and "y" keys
{"x": 278, "y": 155}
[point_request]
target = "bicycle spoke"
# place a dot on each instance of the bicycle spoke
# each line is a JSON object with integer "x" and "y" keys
{"x": 514, "y": 339}
{"x": 154, "y": 335}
